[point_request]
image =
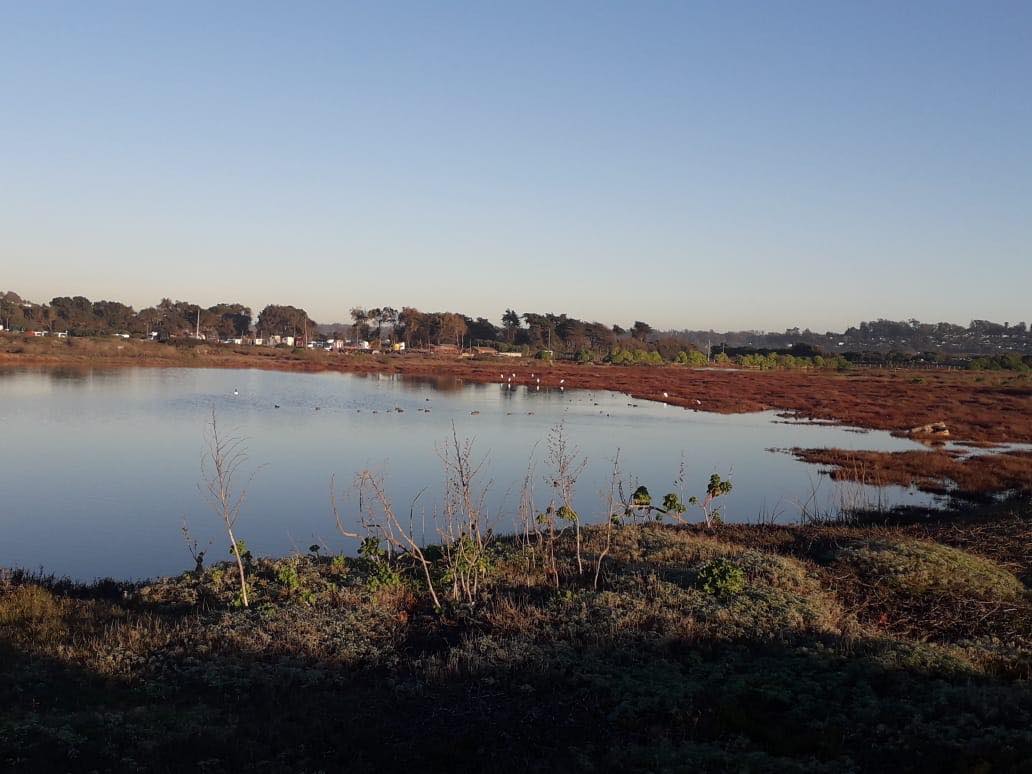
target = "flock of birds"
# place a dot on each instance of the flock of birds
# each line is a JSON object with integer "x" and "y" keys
{"x": 512, "y": 381}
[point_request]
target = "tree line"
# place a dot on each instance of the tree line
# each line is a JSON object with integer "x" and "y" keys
{"x": 558, "y": 335}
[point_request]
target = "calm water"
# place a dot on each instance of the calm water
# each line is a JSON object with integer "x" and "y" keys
{"x": 99, "y": 468}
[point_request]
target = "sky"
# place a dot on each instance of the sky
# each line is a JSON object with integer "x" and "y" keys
{"x": 696, "y": 165}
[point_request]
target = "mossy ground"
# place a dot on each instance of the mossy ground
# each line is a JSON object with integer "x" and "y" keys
{"x": 835, "y": 656}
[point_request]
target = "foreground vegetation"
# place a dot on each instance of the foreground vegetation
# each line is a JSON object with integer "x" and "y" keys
{"x": 752, "y": 648}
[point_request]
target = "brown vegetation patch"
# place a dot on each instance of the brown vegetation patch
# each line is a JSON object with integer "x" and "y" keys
{"x": 938, "y": 471}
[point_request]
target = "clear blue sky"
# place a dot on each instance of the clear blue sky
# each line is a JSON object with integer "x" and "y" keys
{"x": 733, "y": 165}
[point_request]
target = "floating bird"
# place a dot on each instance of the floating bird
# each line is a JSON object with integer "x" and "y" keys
{"x": 316, "y": 408}
{"x": 275, "y": 405}
{"x": 236, "y": 392}
{"x": 473, "y": 413}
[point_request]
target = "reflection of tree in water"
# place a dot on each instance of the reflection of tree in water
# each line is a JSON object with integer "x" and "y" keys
{"x": 437, "y": 383}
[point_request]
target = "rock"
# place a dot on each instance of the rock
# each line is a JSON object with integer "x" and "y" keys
{"x": 938, "y": 429}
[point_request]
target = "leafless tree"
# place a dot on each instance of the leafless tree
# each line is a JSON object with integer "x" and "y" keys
{"x": 220, "y": 464}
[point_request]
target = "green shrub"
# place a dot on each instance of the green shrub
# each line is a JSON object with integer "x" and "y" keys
{"x": 721, "y": 577}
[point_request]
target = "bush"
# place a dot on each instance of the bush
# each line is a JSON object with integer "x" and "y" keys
{"x": 721, "y": 577}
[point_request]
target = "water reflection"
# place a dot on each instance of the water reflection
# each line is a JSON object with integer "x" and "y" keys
{"x": 98, "y": 467}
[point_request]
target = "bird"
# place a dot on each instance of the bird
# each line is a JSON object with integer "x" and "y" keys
{"x": 562, "y": 381}
{"x": 236, "y": 392}
{"x": 665, "y": 395}
{"x": 275, "y": 405}
{"x": 316, "y": 408}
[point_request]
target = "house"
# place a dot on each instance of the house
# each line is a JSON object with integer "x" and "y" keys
{"x": 37, "y": 334}
{"x": 510, "y": 354}
{"x": 59, "y": 334}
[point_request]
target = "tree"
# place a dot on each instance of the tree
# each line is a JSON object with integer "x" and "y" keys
{"x": 452, "y": 328}
{"x": 413, "y": 325}
{"x": 641, "y": 330}
{"x": 511, "y": 324}
{"x": 277, "y": 320}
{"x": 481, "y": 329}
{"x": 389, "y": 317}
{"x": 360, "y": 326}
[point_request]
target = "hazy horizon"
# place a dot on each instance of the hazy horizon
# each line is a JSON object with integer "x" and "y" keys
{"x": 696, "y": 166}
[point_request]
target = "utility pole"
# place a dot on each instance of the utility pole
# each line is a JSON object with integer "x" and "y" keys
{"x": 197, "y": 329}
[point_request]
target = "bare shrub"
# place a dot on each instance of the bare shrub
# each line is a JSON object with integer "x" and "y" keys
{"x": 220, "y": 464}
{"x": 380, "y": 518}
{"x": 567, "y": 464}
{"x": 461, "y": 525}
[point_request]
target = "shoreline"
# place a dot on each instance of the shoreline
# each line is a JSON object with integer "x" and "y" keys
{"x": 977, "y": 407}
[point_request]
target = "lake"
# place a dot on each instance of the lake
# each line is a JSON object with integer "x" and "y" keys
{"x": 99, "y": 468}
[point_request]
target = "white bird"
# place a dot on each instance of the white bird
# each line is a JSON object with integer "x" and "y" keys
{"x": 236, "y": 392}
{"x": 562, "y": 381}
{"x": 665, "y": 395}
{"x": 514, "y": 376}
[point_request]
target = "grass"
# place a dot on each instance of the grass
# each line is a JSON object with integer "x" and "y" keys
{"x": 830, "y": 652}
